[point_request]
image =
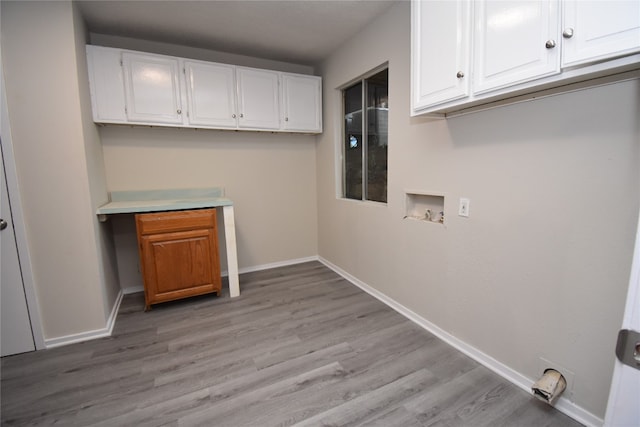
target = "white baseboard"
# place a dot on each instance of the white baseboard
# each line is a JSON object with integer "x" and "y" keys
{"x": 88, "y": 335}
{"x": 139, "y": 288}
{"x": 133, "y": 289}
{"x": 108, "y": 329}
{"x": 273, "y": 265}
{"x": 563, "y": 405}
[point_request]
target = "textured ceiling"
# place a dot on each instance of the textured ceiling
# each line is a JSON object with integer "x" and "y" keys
{"x": 302, "y": 31}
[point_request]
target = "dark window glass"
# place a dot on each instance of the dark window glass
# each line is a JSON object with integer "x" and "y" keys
{"x": 366, "y": 138}
{"x": 353, "y": 142}
{"x": 377, "y": 136}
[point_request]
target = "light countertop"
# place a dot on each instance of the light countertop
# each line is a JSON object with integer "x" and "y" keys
{"x": 163, "y": 200}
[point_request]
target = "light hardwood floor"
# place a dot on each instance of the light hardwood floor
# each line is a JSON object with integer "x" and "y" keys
{"x": 300, "y": 346}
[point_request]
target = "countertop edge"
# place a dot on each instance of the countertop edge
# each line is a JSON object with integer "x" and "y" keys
{"x": 122, "y": 207}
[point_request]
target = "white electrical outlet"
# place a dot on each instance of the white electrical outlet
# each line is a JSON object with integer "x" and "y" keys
{"x": 463, "y": 209}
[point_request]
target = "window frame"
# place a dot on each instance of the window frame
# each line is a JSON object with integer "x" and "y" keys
{"x": 362, "y": 79}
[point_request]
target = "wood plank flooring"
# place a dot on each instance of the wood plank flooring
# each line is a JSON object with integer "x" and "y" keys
{"x": 300, "y": 346}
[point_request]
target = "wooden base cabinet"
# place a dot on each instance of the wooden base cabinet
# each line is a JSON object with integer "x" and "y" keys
{"x": 178, "y": 254}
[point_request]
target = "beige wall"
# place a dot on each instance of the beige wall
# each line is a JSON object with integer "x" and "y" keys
{"x": 541, "y": 266}
{"x": 196, "y": 53}
{"x": 269, "y": 176}
{"x": 55, "y": 166}
{"x": 107, "y": 262}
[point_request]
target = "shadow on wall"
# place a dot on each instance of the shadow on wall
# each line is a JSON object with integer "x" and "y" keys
{"x": 185, "y": 139}
{"x": 561, "y": 116}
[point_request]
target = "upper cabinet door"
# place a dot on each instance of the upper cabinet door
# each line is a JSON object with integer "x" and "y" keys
{"x": 597, "y": 30}
{"x": 440, "y": 45}
{"x": 107, "y": 85}
{"x": 258, "y": 100}
{"x": 152, "y": 88}
{"x": 302, "y": 106}
{"x": 515, "y": 42}
{"x": 211, "y": 94}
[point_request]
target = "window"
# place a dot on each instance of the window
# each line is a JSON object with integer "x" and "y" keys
{"x": 365, "y": 138}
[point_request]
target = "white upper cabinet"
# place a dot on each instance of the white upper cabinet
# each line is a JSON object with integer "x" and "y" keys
{"x": 516, "y": 49}
{"x": 152, "y": 88}
{"x": 301, "y": 102}
{"x": 106, "y": 83}
{"x": 258, "y": 98}
{"x": 441, "y": 50}
{"x": 515, "y": 42}
{"x": 597, "y": 30}
{"x": 148, "y": 89}
{"x": 211, "y": 94}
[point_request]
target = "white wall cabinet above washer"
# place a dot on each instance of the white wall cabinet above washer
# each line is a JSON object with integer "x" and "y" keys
{"x": 152, "y": 88}
{"x": 129, "y": 87}
{"x": 516, "y": 49}
{"x": 440, "y": 49}
{"x": 599, "y": 30}
{"x": 514, "y": 42}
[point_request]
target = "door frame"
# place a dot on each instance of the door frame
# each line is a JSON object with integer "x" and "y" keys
{"x": 618, "y": 403}
{"x": 18, "y": 220}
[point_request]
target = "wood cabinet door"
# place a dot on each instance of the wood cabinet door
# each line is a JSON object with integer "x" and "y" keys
{"x": 598, "y": 30}
{"x": 211, "y": 94}
{"x": 258, "y": 98}
{"x": 178, "y": 254}
{"x": 440, "y": 52}
{"x": 514, "y": 42}
{"x": 301, "y": 102}
{"x": 152, "y": 88}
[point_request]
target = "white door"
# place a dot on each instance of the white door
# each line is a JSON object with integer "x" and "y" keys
{"x": 597, "y": 30}
{"x": 515, "y": 42}
{"x": 258, "y": 98}
{"x": 211, "y": 94}
{"x": 152, "y": 88}
{"x": 440, "y": 43}
{"x": 15, "y": 325}
{"x": 623, "y": 409}
{"x": 302, "y": 108}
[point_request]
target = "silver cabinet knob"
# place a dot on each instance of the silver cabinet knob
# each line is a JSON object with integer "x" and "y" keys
{"x": 460, "y": 74}
{"x": 179, "y": 111}
{"x": 286, "y": 119}
{"x": 3, "y": 224}
{"x": 241, "y": 115}
{"x": 567, "y": 33}
{"x": 550, "y": 44}
{"x": 233, "y": 115}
